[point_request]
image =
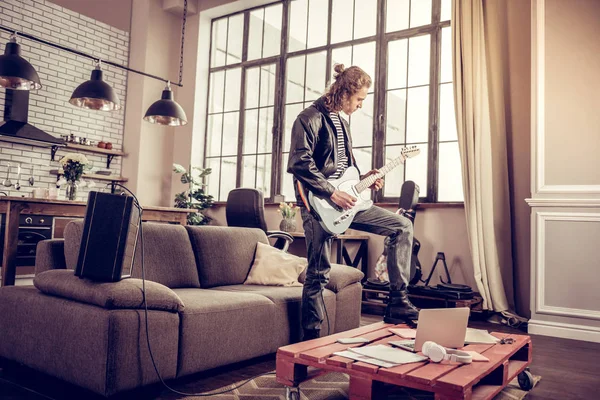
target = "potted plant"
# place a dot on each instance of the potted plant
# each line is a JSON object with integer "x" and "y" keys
{"x": 288, "y": 214}
{"x": 194, "y": 196}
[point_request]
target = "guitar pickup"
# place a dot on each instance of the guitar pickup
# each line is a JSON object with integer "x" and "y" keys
{"x": 343, "y": 217}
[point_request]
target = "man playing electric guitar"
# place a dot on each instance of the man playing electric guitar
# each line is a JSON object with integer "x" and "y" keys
{"x": 321, "y": 150}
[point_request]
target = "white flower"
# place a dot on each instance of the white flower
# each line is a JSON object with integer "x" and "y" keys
{"x": 74, "y": 157}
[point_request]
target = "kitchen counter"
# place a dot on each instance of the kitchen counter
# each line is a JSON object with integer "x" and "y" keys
{"x": 13, "y": 207}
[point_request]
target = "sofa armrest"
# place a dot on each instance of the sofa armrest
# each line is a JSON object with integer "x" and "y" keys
{"x": 50, "y": 254}
{"x": 126, "y": 293}
{"x": 340, "y": 276}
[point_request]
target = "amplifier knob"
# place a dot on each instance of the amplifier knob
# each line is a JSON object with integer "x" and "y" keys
{"x": 41, "y": 220}
{"x": 28, "y": 220}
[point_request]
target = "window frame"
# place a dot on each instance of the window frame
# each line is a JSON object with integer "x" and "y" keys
{"x": 381, "y": 39}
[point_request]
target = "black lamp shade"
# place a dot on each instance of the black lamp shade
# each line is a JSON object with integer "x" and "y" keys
{"x": 166, "y": 111}
{"x": 95, "y": 94}
{"x": 15, "y": 72}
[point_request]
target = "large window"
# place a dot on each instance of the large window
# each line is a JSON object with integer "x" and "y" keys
{"x": 271, "y": 62}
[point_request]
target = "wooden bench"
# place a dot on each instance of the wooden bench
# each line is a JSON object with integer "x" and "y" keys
{"x": 447, "y": 380}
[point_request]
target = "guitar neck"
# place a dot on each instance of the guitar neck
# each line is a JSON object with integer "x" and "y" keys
{"x": 370, "y": 180}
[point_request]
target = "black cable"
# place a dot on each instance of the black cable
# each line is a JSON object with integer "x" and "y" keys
{"x": 322, "y": 288}
{"x": 140, "y": 210}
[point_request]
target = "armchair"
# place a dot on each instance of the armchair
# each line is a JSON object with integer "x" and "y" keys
{"x": 245, "y": 208}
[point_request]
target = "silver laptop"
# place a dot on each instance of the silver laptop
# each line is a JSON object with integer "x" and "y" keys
{"x": 444, "y": 326}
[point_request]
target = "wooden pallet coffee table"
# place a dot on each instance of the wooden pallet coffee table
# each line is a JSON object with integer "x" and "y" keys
{"x": 447, "y": 380}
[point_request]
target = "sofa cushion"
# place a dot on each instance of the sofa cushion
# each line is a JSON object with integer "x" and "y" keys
{"x": 126, "y": 293}
{"x": 274, "y": 267}
{"x": 224, "y": 254}
{"x": 168, "y": 255}
{"x": 340, "y": 276}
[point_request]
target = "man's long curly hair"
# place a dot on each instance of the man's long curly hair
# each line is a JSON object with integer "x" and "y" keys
{"x": 347, "y": 82}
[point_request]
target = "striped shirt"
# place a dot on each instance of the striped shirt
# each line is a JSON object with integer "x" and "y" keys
{"x": 342, "y": 163}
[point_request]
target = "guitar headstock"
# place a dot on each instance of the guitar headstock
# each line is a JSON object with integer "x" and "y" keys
{"x": 410, "y": 151}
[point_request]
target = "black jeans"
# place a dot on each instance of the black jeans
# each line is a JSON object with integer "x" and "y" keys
{"x": 399, "y": 236}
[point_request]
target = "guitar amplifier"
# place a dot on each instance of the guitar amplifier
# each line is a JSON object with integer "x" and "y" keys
{"x": 109, "y": 238}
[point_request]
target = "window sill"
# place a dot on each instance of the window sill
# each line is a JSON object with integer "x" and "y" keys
{"x": 420, "y": 206}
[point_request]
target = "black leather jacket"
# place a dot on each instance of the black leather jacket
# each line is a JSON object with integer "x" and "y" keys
{"x": 313, "y": 154}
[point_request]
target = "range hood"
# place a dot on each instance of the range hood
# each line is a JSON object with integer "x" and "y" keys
{"x": 15, "y": 128}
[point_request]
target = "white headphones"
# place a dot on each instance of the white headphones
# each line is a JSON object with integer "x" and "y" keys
{"x": 437, "y": 353}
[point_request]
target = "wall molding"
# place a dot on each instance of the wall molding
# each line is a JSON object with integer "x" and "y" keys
{"x": 579, "y": 203}
{"x": 564, "y": 189}
{"x": 537, "y": 95}
{"x": 565, "y": 331}
{"x": 539, "y": 263}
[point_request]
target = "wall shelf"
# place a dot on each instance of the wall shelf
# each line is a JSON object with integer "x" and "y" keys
{"x": 110, "y": 154}
{"x": 100, "y": 177}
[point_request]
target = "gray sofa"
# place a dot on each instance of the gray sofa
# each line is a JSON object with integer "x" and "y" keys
{"x": 200, "y": 315}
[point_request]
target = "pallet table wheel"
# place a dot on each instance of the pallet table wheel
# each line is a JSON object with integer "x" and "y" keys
{"x": 525, "y": 379}
{"x": 292, "y": 393}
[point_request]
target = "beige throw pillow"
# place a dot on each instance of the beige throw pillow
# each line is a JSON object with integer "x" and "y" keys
{"x": 274, "y": 267}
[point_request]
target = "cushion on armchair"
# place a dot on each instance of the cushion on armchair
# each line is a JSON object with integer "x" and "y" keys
{"x": 340, "y": 276}
{"x": 126, "y": 293}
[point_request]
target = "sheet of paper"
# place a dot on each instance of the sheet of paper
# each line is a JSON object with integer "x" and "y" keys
{"x": 479, "y": 336}
{"x": 369, "y": 360}
{"x": 388, "y": 354}
{"x": 406, "y": 333}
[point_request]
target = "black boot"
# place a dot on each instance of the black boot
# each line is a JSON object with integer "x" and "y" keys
{"x": 310, "y": 334}
{"x": 399, "y": 309}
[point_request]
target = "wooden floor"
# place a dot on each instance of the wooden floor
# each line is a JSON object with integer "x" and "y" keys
{"x": 569, "y": 369}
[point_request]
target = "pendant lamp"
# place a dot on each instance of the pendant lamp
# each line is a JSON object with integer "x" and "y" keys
{"x": 96, "y": 94}
{"x": 15, "y": 72}
{"x": 166, "y": 111}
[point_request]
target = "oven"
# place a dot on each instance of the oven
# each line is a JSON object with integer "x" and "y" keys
{"x": 32, "y": 229}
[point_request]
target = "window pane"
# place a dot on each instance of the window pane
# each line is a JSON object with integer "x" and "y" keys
{"x": 265, "y": 130}
{"x": 450, "y": 187}
{"x": 272, "y": 34}
{"x": 235, "y": 38}
{"x": 252, "y": 87}
{"x": 363, "y": 159}
{"x": 365, "y": 18}
{"x": 364, "y": 56}
{"x": 297, "y": 30}
{"x": 263, "y": 174}
{"x": 418, "y": 60}
{"x": 267, "y": 85}
{"x": 291, "y": 112}
{"x": 395, "y": 117}
{"x": 219, "y": 42}
{"x": 217, "y": 84}
{"x": 250, "y": 131}
{"x": 213, "y": 179}
{"x": 361, "y": 124}
{"x": 287, "y": 181}
{"x": 255, "y": 37}
{"x": 228, "y": 176}
{"x": 315, "y": 75}
{"x": 295, "y": 80}
{"x": 231, "y": 127}
{"x": 213, "y": 133}
{"x": 396, "y": 15}
{"x": 420, "y": 12}
{"x": 417, "y": 115}
{"x": 249, "y": 173}
{"x": 447, "y": 115}
{"x": 341, "y": 55}
{"x": 446, "y": 10}
{"x": 397, "y": 67}
{"x": 416, "y": 170}
{"x": 395, "y": 178}
{"x": 232, "y": 89}
{"x": 446, "y": 69}
{"x": 341, "y": 21}
{"x": 317, "y": 23}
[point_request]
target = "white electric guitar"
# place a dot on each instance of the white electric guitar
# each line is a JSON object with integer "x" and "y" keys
{"x": 334, "y": 219}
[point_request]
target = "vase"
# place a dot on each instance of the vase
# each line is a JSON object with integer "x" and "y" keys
{"x": 288, "y": 225}
{"x": 71, "y": 192}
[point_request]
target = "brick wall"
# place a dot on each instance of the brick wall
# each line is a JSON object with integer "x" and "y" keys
{"x": 60, "y": 73}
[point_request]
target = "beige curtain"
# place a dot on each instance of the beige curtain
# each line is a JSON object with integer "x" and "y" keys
{"x": 479, "y": 101}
